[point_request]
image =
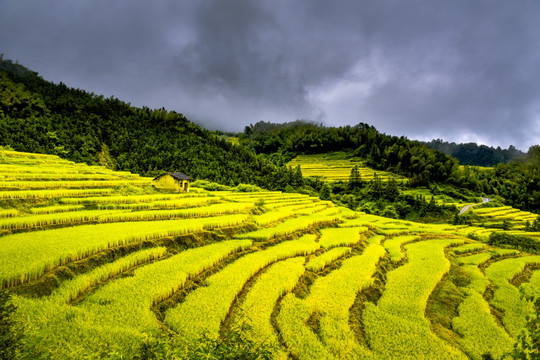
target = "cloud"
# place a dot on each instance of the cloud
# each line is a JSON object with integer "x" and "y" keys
{"x": 456, "y": 70}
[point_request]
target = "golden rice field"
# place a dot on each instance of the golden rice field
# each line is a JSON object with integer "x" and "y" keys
{"x": 334, "y": 168}
{"x": 503, "y": 216}
{"x": 102, "y": 275}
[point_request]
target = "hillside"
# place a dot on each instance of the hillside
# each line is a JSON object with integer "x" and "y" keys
{"x": 516, "y": 183}
{"x": 102, "y": 265}
{"x": 337, "y": 167}
{"x": 39, "y": 116}
{"x": 474, "y": 154}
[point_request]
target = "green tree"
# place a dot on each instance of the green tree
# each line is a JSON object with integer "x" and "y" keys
{"x": 9, "y": 337}
{"x": 325, "y": 192}
{"x": 536, "y": 224}
{"x": 355, "y": 181}
{"x": 392, "y": 190}
{"x": 298, "y": 179}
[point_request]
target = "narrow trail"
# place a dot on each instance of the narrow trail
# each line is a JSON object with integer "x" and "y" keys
{"x": 466, "y": 207}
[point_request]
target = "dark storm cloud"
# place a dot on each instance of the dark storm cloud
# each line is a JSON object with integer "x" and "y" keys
{"x": 460, "y": 70}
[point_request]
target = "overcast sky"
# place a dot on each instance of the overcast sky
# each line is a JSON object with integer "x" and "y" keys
{"x": 461, "y": 70}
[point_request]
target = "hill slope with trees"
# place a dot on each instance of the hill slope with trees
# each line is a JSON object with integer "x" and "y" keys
{"x": 517, "y": 183}
{"x": 474, "y": 154}
{"x": 39, "y": 116}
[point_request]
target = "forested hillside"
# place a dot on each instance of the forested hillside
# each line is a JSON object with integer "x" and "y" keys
{"x": 383, "y": 152}
{"x": 517, "y": 183}
{"x": 474, "y": 154}
{"x": 39, "y": 116}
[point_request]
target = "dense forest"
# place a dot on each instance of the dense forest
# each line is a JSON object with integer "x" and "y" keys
{"x": 474, "y": 154}
{"x": 39, "y": 116}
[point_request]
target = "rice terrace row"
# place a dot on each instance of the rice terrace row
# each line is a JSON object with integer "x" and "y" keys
{"x": 101, "y": 264}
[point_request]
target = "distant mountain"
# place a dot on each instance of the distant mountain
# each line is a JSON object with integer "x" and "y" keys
{"x": 474, "y": 154}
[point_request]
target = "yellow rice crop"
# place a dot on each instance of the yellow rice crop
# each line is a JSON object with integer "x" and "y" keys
{"x": 83, "y": 184}
{"x": 331, "y": 297}
{"x": 127, "y": 199}
{"x": 203, "y": 310}
{"x": 260, "y": 300}
{"x": 507, "y": 296}
{"x": 332, "y": 237}
{"x": 289, "y": 226}
{"x": 8, "y": 213}
{"x": 71, "y": 289}
{"x": 27, "y": 256}
{"x": 49, "y": 194}
{"x": 320, "y": 262}
{"x": 397, "y": 321}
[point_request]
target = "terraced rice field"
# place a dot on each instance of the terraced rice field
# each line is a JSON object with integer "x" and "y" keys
{"x": 332, "y": 168}
{"x": 101, "y": 275}
{"x": 503, "y": 216}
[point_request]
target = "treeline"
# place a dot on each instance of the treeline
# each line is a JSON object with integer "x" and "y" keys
{"x": 39, "y": 116}
{"x": 474, "y": 154}
{"x": 382, "y": 152}
{"x": 517, "y": 182}
{"x": 385, "y": 199}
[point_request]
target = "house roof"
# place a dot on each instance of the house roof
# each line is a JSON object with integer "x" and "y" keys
{"x": 176, "y": 175}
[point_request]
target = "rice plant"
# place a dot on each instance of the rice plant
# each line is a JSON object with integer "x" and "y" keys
{"x": 259, "y": 303}
{"x": 289, "y": 226}
{"x": 507, "y": 296}
{"x": 330, "y": 299}
{"x": 320, "y": 262}
{"x": 129, "y": 300}
{"x": 27, "y": 256}
{"x": 52, "y": 193}
{"x": 396, "y": 326}
{"x": 71, "y": 289}
{"x": 204, "y": 309}
{"x": 332, "y": 237}
{"x": 393, "y": 246}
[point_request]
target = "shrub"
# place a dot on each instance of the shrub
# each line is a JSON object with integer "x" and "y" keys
{"x": 9, "y": 337}
{"x": 520, "y": 242}
{"x": 233, "y": 344}
{"x": 527, "y": 345}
